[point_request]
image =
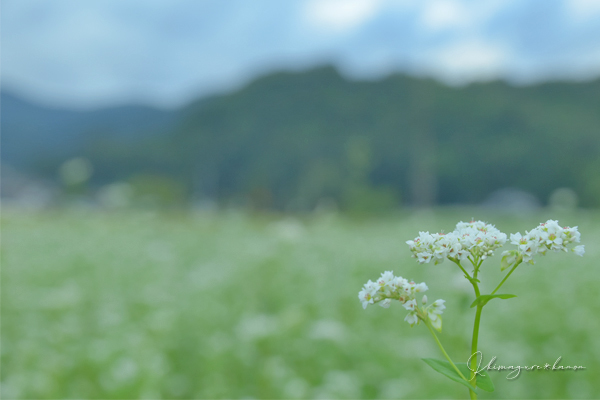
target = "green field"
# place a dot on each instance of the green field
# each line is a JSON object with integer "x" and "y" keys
{"x": 231, "y": 305}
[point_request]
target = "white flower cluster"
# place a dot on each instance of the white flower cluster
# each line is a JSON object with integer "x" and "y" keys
{"x": 389, "y": 288}
{"x": 475, "y": 238}
{"x": 548, "y": 236}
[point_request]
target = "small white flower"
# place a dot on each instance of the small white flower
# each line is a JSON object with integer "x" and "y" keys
{"x": 438, "y": 306}
{"x": 462, "y": 254}
{"x": 439, "y": 258}
{"x": 421, "y": 287}
{"x": 411, "y": 318}
{"x": 553, "y": 239}
{"x": 454, "y": 249}
{"x": 410, "y": 305}
{"x": 398, "y": 282}
{"x": 518, "y": 240}
{"x": 386, "y": 278}
{"x": 572, "y": 234}
{"x": 579, "y": 250}
{"x": 423, "y": 257}
{"x": 551, "y": 226}
{"x": 424, "y": 301}
{"x": 425, "y": 239}
{"x": 436, "y": 321}
{"x": 365, "y": 297}
{"x": 385, "y": 303}
{"x": 371, "y": 287}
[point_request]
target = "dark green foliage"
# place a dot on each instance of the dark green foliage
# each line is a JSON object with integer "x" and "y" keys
{"x": 292, "y": 141}
{"x": 298, "y": 138}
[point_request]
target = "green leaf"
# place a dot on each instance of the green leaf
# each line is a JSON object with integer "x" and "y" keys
{"x": 508, "y": 260}
{"x": 484, "y": 381}
{"x": 483, "y": 299}
{"x": 444, "y": 368}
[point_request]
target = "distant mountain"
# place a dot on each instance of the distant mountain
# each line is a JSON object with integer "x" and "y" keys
{"x": 295, "y": 140}
{"x": 291, "y": 139}
{"x": 32, "y": 134}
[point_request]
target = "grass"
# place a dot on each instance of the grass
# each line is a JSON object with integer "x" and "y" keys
{"x": 230, "y": 305}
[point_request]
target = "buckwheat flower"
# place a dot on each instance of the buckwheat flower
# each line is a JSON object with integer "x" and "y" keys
{"x": 367, "y": 294}
{"x": 551, "y": 226}
{"x": 385, "y": 303}
{"x": 410, "y": 305}
{"x": 475, "y": 238}
{"x": 424, "y": 257}
{"x": 412, "y": 318}
{"x": 537, "y": 241}
{"x": 398, "y": 283}
{"x": 443, "y": 243}
{"x": 423, "y": 242}
{"x": 529, "y": 252}
{"x": 424, "y": 300}
{"x": 423, "y": 246}
{"x": 462, "y": 254}
{"x": 553, "y": 240}
{"x": 385, "y": 278}
{"x": 579, "y": 250}
{"x": 518, "y": 240}
{"x": 438, "y": 257}
{"x": 371, "y": 287}
{"x": 420, "y": 287}
{"x": 390, "y": 288}
{"x": 453, "y": 251}
{"x": 441, "y": 248}
{"x": 572, "y": 235}
{"x": 433, "y": 313}
{"x": 547, "y": 236}
{"x": 365, "y": 297}
{"x": 437, "y": 307}
{"x": 436, "y": 321}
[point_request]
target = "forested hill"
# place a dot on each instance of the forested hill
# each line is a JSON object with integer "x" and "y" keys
{"x": 290, "y": 140}
{"x": 36, "y": 136}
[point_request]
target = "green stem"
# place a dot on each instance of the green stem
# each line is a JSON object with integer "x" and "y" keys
{"x": 475, "y": 339}
{"x": 506, "y": 277}
{"x": 472, "y": 260}
{"x": 444, "y": 351}
{"x": 463, "y": 270}
{"x": 475, "y": 285}
{"x": 474, "y": 347}
{"x": 479, "y": 265}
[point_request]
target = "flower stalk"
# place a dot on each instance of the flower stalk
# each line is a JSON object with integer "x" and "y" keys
{"x": 475, "y": 241}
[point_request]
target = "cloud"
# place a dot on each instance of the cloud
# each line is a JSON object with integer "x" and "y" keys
{"x": 469, "y": 60}
{"x": 169, "y": 52}
{"x": 340, "y": 15}
{"x": 442, "y": 14}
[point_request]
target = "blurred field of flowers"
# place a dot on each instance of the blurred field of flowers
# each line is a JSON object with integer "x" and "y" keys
{"x": 141, "y": 304}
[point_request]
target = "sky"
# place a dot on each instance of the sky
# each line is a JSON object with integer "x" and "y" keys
{"x": 96, "y": 53}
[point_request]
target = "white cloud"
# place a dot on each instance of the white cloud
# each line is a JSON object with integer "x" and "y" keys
{"x": 438, "y": 15}
{"x": 441, "y": 14}
{"x": 469, "y": 60}
{"x": 340, "y": 15}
